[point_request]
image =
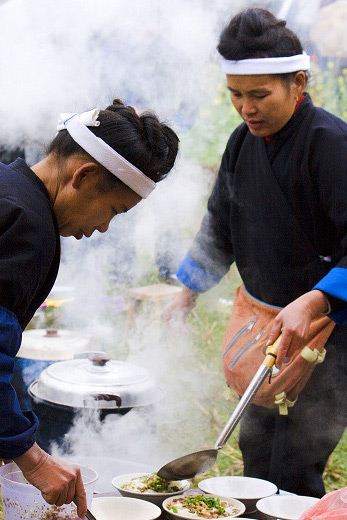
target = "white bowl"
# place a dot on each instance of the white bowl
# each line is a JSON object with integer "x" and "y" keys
{"x": 230, "y": 501}
{"x": 122, "y": 508}
{"x": 247, "y": 489}
{"x": 286, "y": 507}
{"x": 151, "y": 496}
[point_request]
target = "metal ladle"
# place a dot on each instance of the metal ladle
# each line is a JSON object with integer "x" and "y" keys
{"x": 193, "y": 464}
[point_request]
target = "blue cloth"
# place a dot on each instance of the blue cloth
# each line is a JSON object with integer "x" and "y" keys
{"x": 195, "y": 277}
{"x": 335, "y": 284}
{"x": 17, "y": 428}
{"x": 29, "y": 261}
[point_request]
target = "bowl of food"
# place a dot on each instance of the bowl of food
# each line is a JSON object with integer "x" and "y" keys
{"x": 202, "y": 506}
{"x": 284, "y": 507}
{"x": 247, "y": 489}
{"x": 123, "y": 508}
{"x": 149, "y": 486}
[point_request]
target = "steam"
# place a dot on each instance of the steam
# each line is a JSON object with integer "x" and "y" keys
{"x": 73, "y": 55}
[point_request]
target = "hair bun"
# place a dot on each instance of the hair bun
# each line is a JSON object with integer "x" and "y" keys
{"x": 152, "y": 131}
{"x": 259, "y": 29}
{"x": 257, "y": 33}
{"x": 160, "y": 138}
{"x": 116, "y": 105}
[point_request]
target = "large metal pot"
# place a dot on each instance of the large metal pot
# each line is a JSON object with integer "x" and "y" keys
{"x": 90, "y": 381}
{"x": 39, "y": 349}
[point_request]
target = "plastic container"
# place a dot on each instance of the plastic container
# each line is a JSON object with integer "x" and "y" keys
{"x": 22, "y": 501}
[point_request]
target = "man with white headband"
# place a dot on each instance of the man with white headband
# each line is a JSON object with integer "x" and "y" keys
{"x": 101, "y": 163}
{"x": 279, "y": 210}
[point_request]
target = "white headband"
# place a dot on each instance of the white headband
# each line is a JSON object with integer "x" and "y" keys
{"x": 280, "y": 65}
{"x": 76, "y": 125}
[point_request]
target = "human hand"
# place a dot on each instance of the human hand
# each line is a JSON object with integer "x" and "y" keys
{"x": 179, "y": 308}
{"x": 293, "y": 322}
{"x": 59, "y": 482}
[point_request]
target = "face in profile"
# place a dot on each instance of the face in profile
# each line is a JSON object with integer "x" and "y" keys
{"x": 265, "y": 102}
{"x": 90, "y": 210}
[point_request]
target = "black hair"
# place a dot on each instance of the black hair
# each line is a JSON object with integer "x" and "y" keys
{"x": 257, "y": 33}
{"x": 143, "y": 140}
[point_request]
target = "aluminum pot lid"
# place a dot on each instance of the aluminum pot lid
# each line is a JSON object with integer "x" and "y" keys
{"x": 96, "y": 381}
{"x": 52, "y": 344}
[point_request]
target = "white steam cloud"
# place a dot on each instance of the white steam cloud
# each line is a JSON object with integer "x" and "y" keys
{"x": 75, "y": 54}
{"x": 72, "y": 55}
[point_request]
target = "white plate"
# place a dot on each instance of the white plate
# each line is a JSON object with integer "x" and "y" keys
{"x": 122, "y": 508}
{"x": 286, "y": 507}
{"x": 247, "y": 489}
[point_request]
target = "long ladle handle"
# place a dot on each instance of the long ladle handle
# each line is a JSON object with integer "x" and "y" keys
{"x": 263, "y": 371}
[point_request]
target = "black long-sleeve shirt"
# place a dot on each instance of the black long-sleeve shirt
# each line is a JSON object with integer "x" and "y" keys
{"x": 280, "y": 212}
{"x": 29, "y": 261}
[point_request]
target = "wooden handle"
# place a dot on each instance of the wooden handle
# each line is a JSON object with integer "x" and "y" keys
{"x": 271, "y": 353}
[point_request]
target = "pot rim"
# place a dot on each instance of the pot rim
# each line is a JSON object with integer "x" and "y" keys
{"x": 25, "y": 485}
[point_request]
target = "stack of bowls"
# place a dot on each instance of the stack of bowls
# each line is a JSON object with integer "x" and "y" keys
{"x": 284, "y": 507}
{"x": 151, "y": 496}
{"x": 236, "y": 508}
{"x": 246, "y": 489}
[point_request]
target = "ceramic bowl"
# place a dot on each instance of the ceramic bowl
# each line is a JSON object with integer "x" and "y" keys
{"x": 153, "y": 496}
{"x": 247, "y": 489}
{"x": 123, "y": 508}
{"x": 185, "y": 516}
{"x": 286, "y": 507}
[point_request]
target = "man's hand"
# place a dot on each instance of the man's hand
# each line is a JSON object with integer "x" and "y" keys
{"x": 293, "y": 322}
{"x": 59, "y": 482}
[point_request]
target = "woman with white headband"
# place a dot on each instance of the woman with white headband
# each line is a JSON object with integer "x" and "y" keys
{"x": 279, "y": 210}
{"x": 101, "y": 163}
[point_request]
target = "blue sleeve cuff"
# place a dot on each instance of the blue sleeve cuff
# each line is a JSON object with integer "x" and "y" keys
{"x": 335, "y": 284}
{"x": 17, "y": 429}
{"x": 195, "y": 277}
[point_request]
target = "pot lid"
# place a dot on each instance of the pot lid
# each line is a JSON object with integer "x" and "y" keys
{"x": 52, "y": 344}
{"x": 95, "y": 381}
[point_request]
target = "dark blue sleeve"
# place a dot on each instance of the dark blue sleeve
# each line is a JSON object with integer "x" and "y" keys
{"x": 17, "y": 428}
